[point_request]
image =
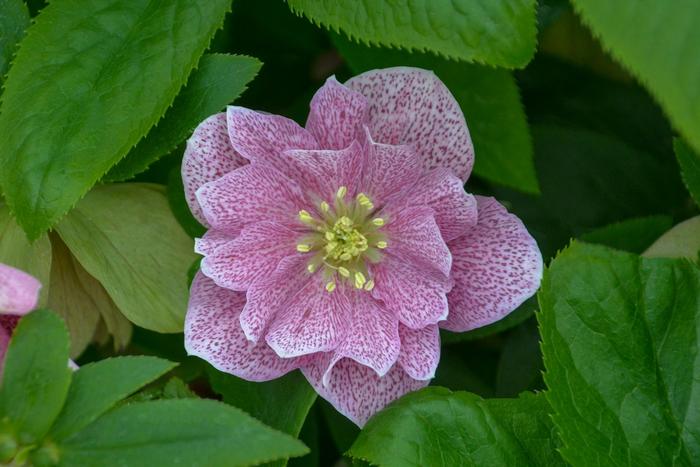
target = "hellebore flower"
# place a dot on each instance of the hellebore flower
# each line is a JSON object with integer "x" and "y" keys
{"x": 342, "y": 247}
{"x": 19, "y": 294}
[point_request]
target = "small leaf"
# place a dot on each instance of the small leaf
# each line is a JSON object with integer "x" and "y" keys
{"x": 193, "y": 432}
{"x": 218, "y": 80}
{"x": 438, "y": 427}
{"x": 491, "y": 104}
{"x": 666, "y": 62}
{"x": 495, "y": 32}
{"x": 125, "y": 236}
{"x": 90, "y": 79}
{"x": 14, "y": 19}
{"x": 97, "y": 387}
{"x": 36, "y": 376}
{"x": 689, "y": 161}
{"x": 620, "y": 345}
{"x": 634, "y": 235}
{"x": 682, "y": 241}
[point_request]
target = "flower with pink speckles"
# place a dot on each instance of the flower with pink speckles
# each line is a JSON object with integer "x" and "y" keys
{"x": 19, "y": 293}
{"x": 341, "y": 248}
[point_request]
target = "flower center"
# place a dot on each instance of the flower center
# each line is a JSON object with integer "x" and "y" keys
{"x": 342, "y": 239}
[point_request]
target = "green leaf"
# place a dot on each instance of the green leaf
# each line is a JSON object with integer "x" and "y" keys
{"x": 36, "y": 375}
{"x": 620, "y": 344}
{"x": 193, "y": 432}
{"x": 520, "y": 366}
{"x": 97, "y": 387}
{"x": 17, "y": 251}
{"x": 125, "y": 236}
{"x": 633, "y": 235}
{"x": 689, "y": 161}
{"x": 218, "y": 80}
{"x": 491, "y": 104}
{"x": 438, "y": 427}
{"x": 90, "y": 79}
{"x": 682, "y": 241}
{"x": 14, "y": 19}
{"x": 282, "y": 403}
{"x": 657, "y": 42}
{"x": 500, "y": 32}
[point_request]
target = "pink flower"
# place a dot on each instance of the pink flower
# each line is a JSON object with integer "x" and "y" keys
{"x": 19, "y": 294}
{"x": 340, "y": 248}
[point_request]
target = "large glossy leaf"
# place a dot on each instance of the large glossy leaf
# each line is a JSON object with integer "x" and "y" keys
{"x": 491, "y": 104}
{"x": 90, "y": 79}
{"x": 14, "y": 19}
{"x": 657, "y": 41}
{"x": 689, "y": 161}
{"x": 36, "y": 375}
{"x": 218, "y": 80}
{"x": 193, "y": 432}
{"x": 125, "y": 236}
{"x": 438, "y": 427}
{"x": 620, "y": 345}
{"x": 97, "y": 387}
{"x": 496, "y": 32}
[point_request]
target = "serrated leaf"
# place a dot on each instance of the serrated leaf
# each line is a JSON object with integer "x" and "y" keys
{"x": 98, "y": 386}
{"x": 689, "y": 161}
{"x": 620, "y": 344}
{"x": 125, "y": 236}
{"x": 14, "y": 19}
{"x": 682, "y": 241}
{"x": 193, "y": 432}
{"x": 500, "y": 32}
{"x": 90, "y": 79}
{"x": 634, "y": 235}
{"x": 218, "y": 80}
{"x": 657, "y": 42}
{"x": 491, "y": 104}
{"x": 17, "y": 251}
{"x": 36, "y": 375}
{"x": 438, "y": 427}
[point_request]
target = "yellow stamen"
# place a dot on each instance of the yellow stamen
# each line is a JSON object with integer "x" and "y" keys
{"x": 378, "y": 221}
{"x": 343, "y": 272}
{"x": 311, "y": 267}
{"x": 359, "y": 280}
{"x": 342, "y": 191}
{"x": 330, "y": 236}
{"x": 305, "y": 217}
{"x": 303, "y": 248}
{"x": 330, "y": 286}
{"x": 369, "y": 285}
{"x": 364, "y": 201}
{"x": 324, "y": 206}
{"x": 381, "y": 244}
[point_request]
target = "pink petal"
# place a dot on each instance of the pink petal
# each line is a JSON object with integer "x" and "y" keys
{"x": 212, "y": 240}
{"x": 19, "y": 292}
{"x": 420, "y": 351}
{"x": 255, "y": 253}
{"x": 454, "y": 209}
{"x": 268, "y": 295}
{"x": 209, "y": 155}
{"x": 356, "y": 391}
{"x": 262, "y": 137}
{"x": 253, "y": 193}
{"x": 412, "y": 106}
{"x": 388, "y": 170}
{"x": 213, "y": 333}
{"x": 337, "y": 113}
{"x": 496, "y": 267}
{"x": 414, "y": 297}
{"x": 414, "y": 237}
{"x": 313, "y": 320}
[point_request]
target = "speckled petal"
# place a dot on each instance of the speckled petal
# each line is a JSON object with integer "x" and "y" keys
{"x": 412, "y": 106}
{"x": 19, "y": 292}
{"x": 414, "y": 237}
{"x": 496, "y": 267}
{"x": 337, "y": 114}
{"x": 420, "y": 351}
{"x": 212, "y": 240}
{"x": 313, "y": 320}
{"x": 213, "y": 333}
{"x": 255, "y": 253}
{"x": 255, "y": 192}
{"x": 261, "y": 137}
{"x": 209, "y": 156}
{"x": 414, "y": 297}
{"x": 356, "y": 391}
{"x": 454, "y": 209}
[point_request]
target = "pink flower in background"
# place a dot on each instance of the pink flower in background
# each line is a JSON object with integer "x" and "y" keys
{"x": 342, "y": 247}
{"x": 19, "y": 294}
